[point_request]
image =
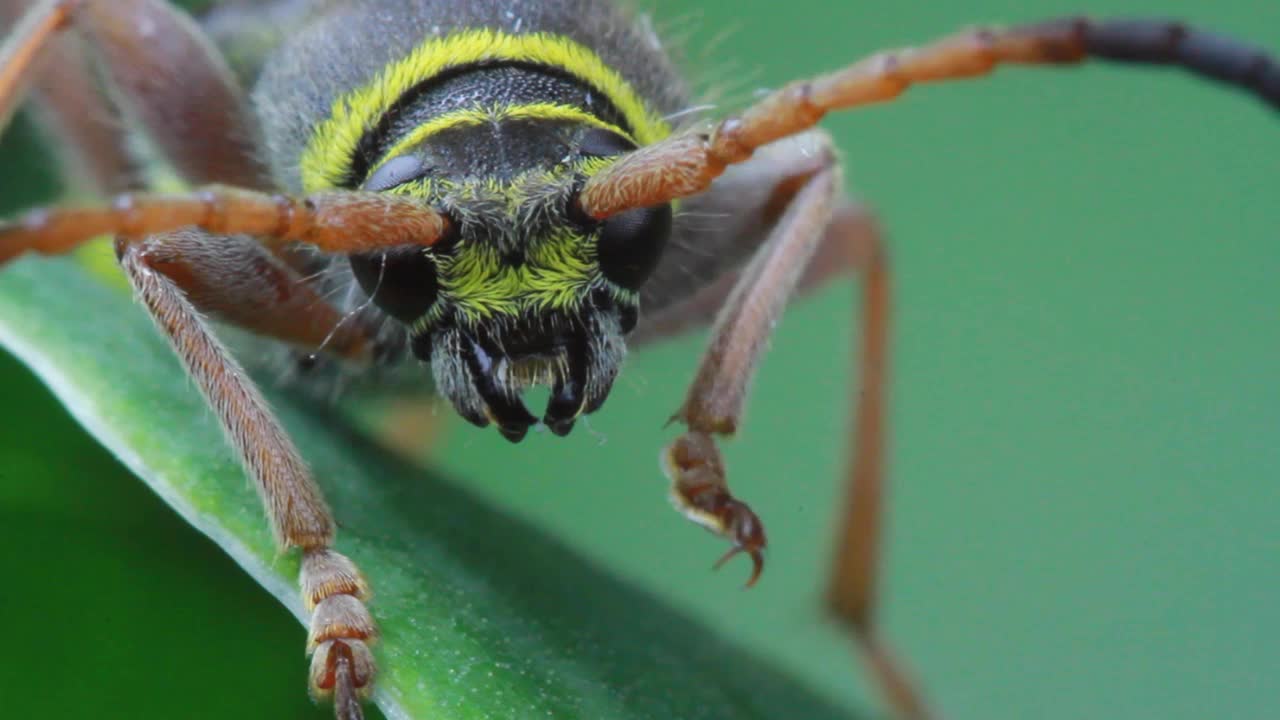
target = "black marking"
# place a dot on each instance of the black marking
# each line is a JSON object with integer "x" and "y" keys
{"x": 628, "y": 312}
{"x": 509, "y": 412}
{"x": 568, "y": 393}
{"x": 306, "y": 362}
{"x": 599, "y": 142}
{"x": 420, "y": 345}
{"x": 401, "y": 282}
{"x": 631, "y": 244}
{"x": 628, "y": 316}
{"x": 500, "y": 150}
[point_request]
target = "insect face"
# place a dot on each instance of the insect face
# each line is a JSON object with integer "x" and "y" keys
{"x": 525, "y": 291}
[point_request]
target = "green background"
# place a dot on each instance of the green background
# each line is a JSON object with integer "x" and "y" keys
{"x": 1086, "y": 415}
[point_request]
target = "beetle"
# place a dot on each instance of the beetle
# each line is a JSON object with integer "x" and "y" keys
{"x": 503, "y": 270}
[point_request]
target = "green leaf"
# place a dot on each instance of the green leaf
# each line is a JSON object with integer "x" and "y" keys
{"x": 482, "y": 615}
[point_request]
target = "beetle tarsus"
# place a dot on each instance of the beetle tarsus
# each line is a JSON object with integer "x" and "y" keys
{"x": 700, "y": 492}
{"x": 757, "y": 562}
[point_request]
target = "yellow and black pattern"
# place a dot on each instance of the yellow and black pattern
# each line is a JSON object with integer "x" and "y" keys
{"x": 331, "y": 157}
{"x": 492, "y": 126}
{"x": 473, "y": 117}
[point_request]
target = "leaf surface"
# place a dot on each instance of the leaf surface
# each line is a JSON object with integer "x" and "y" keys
{"x": 482, "y": 615}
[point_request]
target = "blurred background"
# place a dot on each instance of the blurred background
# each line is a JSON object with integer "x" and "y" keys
{"x": 1085, "y": 413}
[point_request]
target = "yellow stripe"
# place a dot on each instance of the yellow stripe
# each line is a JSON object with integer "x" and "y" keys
{"x": 475, "y": 116}
{"x": 329, "y": 153}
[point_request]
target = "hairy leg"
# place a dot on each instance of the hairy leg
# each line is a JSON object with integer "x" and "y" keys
{"x": 332, "y": 587}
{"x": 83, "y": 131}
{"x": 236, "y": 280}
{"x": 816, "y": 239}
{"x": 235, "y": 277}
{"x": 23, "y": 48}
{"x": 715, "y": 401}
{"x": 848, "y": 237}
{"x": 853, "y": 585}
{"x": 160, "y": 66}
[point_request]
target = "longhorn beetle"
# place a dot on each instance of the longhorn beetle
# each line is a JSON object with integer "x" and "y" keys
{"x": 504, "y": 194}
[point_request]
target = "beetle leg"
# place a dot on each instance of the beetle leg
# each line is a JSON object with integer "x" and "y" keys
{"x": 851, "y": 229}
{"x": 23, "y": 48}
{"x": 716, "y": 398}
{"x": 83, "y": 129}
{"x": 826, "y": 238}
{"x": 852, "y": 591}
{"x": 333, "y": 589}
{"x": 236, "y": 280}
{"x": 160, "y": 65}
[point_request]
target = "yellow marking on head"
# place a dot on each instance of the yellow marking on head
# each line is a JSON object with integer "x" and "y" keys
{"x": 329, "y": 153}
{"x": 470, "y": 117}
{"x": 556, "y": 274}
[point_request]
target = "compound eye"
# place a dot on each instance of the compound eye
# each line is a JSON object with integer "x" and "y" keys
{"x": 396, "y": 171}
{"x": 598, "y": 142}
{"x": 631, "y": 243}
{"x": 402, "y": 282}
